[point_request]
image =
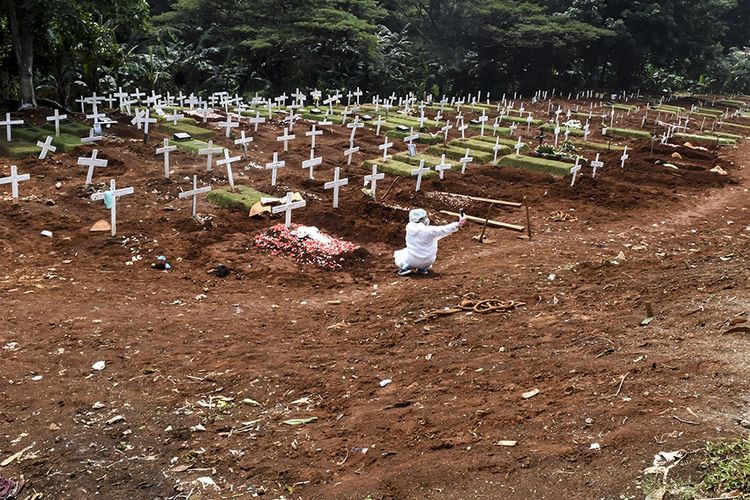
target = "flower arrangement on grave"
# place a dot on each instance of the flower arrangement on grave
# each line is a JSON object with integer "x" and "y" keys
{"x": 306, "y": 245}
{"x": 565, "y": 151}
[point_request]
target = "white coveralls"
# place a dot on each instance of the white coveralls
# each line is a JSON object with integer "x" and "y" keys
{"x": 422, "y": 245}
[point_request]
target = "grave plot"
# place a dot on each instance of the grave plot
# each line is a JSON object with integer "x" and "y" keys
{"x": 304, "y": 335}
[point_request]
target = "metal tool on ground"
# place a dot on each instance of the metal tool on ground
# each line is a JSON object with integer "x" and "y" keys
{"x": 480, "y": 237}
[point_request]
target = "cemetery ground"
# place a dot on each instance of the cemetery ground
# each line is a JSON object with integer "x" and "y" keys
{"x": 272, "y": 381}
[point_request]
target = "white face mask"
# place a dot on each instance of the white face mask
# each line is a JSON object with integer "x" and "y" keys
{"x": 426, "y": 222}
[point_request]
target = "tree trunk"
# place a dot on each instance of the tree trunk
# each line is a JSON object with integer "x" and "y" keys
{"x": 21, "y": 20}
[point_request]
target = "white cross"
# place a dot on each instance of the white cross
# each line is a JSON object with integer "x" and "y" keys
{"x": 312, "y": 134}
{"x": 513, "y": 127}
{"x": 438, "y": 117}
{"x": 482, "y": 120}
{"x": 165, "y": 150}
{"x": 273, "y": 166}
{"x": 138, "y": 119}
{"x": 204, "y": 112}
{"x": 529, "y": 119}
{"x": 228, "y": 125}
{"x": 287, "y": 207}
{"x": 442, "y": 166}
{"x": 8, "y": 123}
{"x": 496, "y": 149}
{"x": 173, "y": 118}
{"x": 354, "y": 126}
{"x": 624, "y": 157}
{"x": 465, "y": 161}
{"x": 91, "y": 138}
{"x": 357, "y": 93}
{"x": 574, "y": 170}
{"x": 586, "y": 133}
{"x": 137, "y": 95}
{"x": 312, "y": 162}
{"x": 46, "y": 146}
{"x": 56, "y": 118}
{"x": 462, "y": 129}
{"x": 81, "y": 101}
{"x": 335, "y": 184}
{"x": 373, "y": 180}
{"x": 210, "y": 151}
{"x": 243, "y": 141}
{"x": 194, "y": 193}
{"x": 596, "y": 164}
{"x": 377, "y": 124}
{"x": 120, "y": 95}
{"x": 519, "y": 146}
{"x": 256, "y": 120}
{"x": 227, "y": 160}
{"x": 384, "y": 147}
{"x": 413, "y": 136}
{"x": 445, "y": 130}
{"x": 285, "y": 139}
{"x": 92, "y": 163}
{"x": 114, "y": 194}
{"x": 146, "y": 120}
{"x": 13, "y": 180}
{"x": 419, "y": 172}
{"x": 350, "y": 152}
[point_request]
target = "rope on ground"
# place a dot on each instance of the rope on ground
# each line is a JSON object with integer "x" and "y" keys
{"x": 484, "y": 306}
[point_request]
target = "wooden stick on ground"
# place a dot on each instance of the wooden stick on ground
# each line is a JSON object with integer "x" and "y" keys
{"x": 484, "y": 226}
{"x": 528, "y": 219}
{"x": 486, "y": 200}
{"x": 389, "y": 188}
{"x": 491, "y": 223}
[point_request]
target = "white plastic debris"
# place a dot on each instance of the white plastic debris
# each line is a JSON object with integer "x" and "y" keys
{"x": 98, "y": 366}
{"x": 46, "y": 233}
{"x": 206, "y": 482}
{"x": 595, "y": 446}
{"x": 385, "y": 382}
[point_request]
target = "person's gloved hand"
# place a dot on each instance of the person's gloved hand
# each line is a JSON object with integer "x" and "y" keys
{"x": 462, "y": 221}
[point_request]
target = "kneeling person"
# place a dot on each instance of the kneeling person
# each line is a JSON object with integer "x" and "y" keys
{"x": 422, "y": 242}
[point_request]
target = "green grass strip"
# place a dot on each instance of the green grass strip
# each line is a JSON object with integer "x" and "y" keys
{"x": 628, "y": 132}
{"x": 552, "y": 167}
{"x": 243, "y": 198}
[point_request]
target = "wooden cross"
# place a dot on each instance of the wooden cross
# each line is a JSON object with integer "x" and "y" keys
{"x": 354, "y": 126}
{"x": 146, "y": 120}
{"x": 465, "y": 161}
{"x": 574, "y": 170}
{"x": 243, "y": 141}
{"x": 92, "y": 163}
{"x": 529, "y": 119}
{"x": 596, "y": 164}
{"x": 482, "y": 120}
{"x": 8, "y": 123}
{"x": 287, "y": 206}
{"x": 413, "y": 136}
{"x": 442, "y": 166}
{"x": 519, "y": 146}
{"x": 57, "y": 117}
{"x": 13, "y": 180}
{"x": 312, "y": 134}
{"x": 110, "y": 200}
{"x": 419, "y": 172}
{"x": 312, "y": 162}
{"x": 445, "y": 130}
{"x": 227, "y": 160}
{"x": 285, "y": 139}
{"x": 384, "y": 147}
{"x": 228, "y": 125}
{"x": 335, "y": 184}
{"x": 624, "y": 157}
{"x": 373, "y": 180}
{"x": 496, "y": 149}
{"x": 273, "y": 166}
{"x": 165, "y": 150}
{"x": 210, "y": 151}
{"x": 513, "y": 127}
{"x": 377, "y": 124}
{"x": 257, "y": 120}
{"x": 92, "y": 137}
{"x": 174, "y": 118}
{"x": 350, "y": 152}
{"x": 46, "y": 146}
{"x": 194, "y": 194}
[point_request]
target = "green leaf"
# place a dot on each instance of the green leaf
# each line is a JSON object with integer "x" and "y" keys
{"x": 300, "y": 421}
{"x": 646, "y": 321}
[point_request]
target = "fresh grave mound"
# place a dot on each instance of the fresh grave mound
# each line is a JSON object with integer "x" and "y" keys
{"x": 307, "y": 245}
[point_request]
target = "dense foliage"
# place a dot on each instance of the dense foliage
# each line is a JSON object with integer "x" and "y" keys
{"x": 58, "y": 49}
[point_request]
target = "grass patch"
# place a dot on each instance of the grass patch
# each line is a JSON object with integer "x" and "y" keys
{"x": 597, "y": 146}
{"x": 628, "y": 132}
{"x": 705, "y": 139}
{"x": 737, "y": 125}
{"x": 733, "y": 103}
{"x": 423, "y": 138}
{"x": 195, "y": 132}
{"x": 624, "y": 107}
{"x": 18, "y": 149}
{"x": 396, "y": 167}
{"x": 520, "y": 120}
{"x": 552, "y": 167}
{"x": 457, "y": 152}
{"x": 243, "y": 198}
{"x": 191, "y": 146}
{"x": 482, "y": 146}
{"x": 65, "y": 143}
{"x": 337, "y": 119}
{"x": 429, "y": 160}
{"x": 76, "y": 129}
{"x": 710, "y": 111}
{"x": 726, "y": 467}
{"x": 728, "y": 135}
{"x": 571, "y": 131}
{"x": 511, "y": 143}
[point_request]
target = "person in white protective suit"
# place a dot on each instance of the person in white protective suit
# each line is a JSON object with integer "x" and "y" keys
{"x": 422, "y": 243}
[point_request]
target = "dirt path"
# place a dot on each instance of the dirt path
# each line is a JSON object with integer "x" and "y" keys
{"x": 204, "y": 371}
